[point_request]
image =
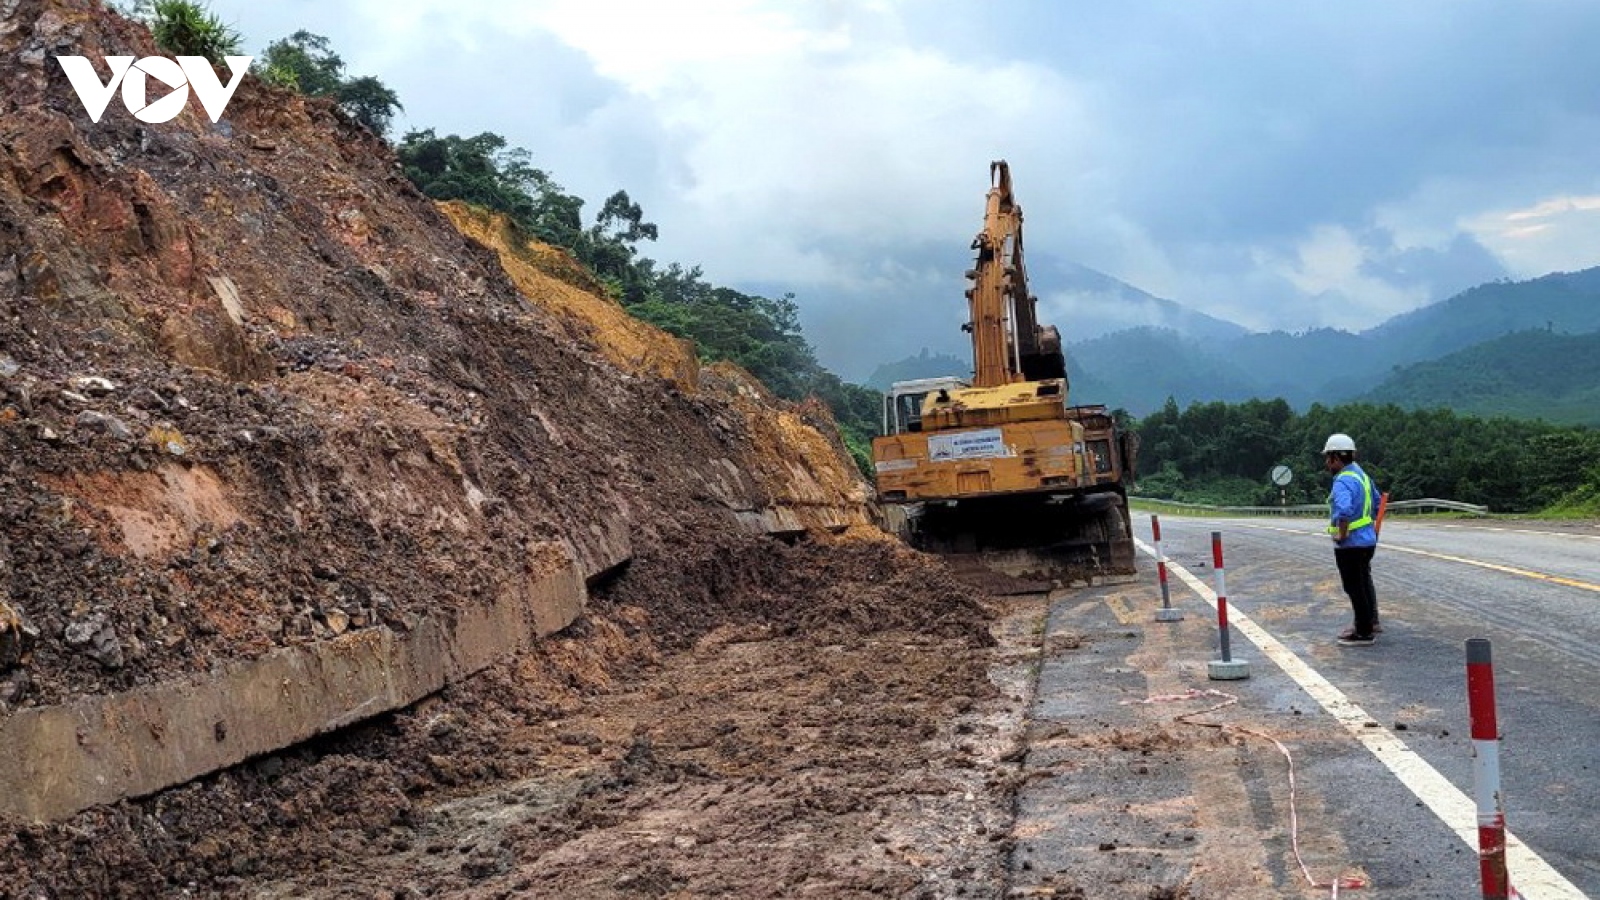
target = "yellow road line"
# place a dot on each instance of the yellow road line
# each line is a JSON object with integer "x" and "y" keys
{"x": 1559, "y": 534}
{"x": 1509, "y": 570}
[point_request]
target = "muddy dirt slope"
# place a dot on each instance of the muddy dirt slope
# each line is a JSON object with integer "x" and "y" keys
{"x": 250, "y": 377}
{"x": 320, "y": 503}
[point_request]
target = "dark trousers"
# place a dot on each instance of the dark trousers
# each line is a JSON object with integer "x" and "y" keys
{"x": 1355, "y": 570}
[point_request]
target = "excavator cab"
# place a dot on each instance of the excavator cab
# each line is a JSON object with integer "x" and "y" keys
{"x": 902, "y": 406}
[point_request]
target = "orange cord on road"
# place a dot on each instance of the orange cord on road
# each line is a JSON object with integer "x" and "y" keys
{"x": 1348, "y": 882}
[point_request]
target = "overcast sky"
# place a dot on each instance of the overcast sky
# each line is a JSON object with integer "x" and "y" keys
{"x": 1280, "y": 165}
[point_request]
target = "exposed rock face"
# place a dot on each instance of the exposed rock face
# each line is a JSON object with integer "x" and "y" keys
{"x": 258, "y": 392}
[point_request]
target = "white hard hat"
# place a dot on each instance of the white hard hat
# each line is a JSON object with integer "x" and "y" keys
{"x": 1339, "y": 442}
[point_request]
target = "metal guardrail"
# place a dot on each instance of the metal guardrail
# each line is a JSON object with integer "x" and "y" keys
{"x": 1425, "y": 505}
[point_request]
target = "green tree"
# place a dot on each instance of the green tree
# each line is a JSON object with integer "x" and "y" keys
{"x": 610, "y": 248}
{"x": 1220, "y": 452}
{"x": 621, "y": 219}
{"x": 370, "y": 102}
{"x": 759, "y": 334}
{"x": 483, "y": 171}
{"x": 185, "y": 28}
{"x": 306, "y": 62}
{"x": 1561, "y": 462}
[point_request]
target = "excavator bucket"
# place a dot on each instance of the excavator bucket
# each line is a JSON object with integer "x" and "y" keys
{"x": 1040, "y": 539}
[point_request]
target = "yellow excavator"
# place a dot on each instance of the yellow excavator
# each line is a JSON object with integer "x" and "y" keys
{"x": 999, "y": 468}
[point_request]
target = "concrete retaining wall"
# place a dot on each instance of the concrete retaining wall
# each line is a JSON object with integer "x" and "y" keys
{"x": 59, "y": 760}
{"x": 56, "y": 761}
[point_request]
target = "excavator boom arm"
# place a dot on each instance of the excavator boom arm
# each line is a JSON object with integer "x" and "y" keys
{"x": 1008, "y": 344}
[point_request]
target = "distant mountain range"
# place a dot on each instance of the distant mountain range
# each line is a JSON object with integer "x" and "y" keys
{"x": 1522, "y": 375}
{"x": 1090, "y": 304}
{"x": 1528, "y": 349}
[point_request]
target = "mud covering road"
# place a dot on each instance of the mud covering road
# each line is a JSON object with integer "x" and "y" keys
{"x": 817, "y": 720}
{"x": 759, "y": 762}
{"x": 1130, "y": 792}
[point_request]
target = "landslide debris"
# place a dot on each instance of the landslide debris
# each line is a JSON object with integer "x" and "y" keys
{"x": 756, "y": 760}
{"x": 257, "y": 391}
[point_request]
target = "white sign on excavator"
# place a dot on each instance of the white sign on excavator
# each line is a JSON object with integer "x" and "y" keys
{"x": 180, "y": 75}
{"x": 983, "y": 444}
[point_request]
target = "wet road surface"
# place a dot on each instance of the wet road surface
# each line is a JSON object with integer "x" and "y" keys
{"x": 1124, "y": 798}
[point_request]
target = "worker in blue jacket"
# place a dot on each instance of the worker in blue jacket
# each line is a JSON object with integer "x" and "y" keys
{"x": 1352, "y": 506}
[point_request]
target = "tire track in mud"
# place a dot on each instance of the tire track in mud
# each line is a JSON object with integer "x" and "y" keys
{"x": 753, "y": 764}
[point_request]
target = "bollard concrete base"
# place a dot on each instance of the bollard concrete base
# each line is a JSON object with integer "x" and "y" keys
{"x": 1227, "y": 670}
{"x": 1168, "y": 614}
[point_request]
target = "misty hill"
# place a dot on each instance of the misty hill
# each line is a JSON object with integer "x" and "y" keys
{"x": 1563, "y": 302}
{"x": 1142, "y": 366}
{"x": 923, "y": 365}
{"x": 1084, "y": 387}
{"x": 1305, "y": 367}
{"x": 1085, "y": 304}
{"x": 1139, "y": 368}
{"x": 1524, "y": 375}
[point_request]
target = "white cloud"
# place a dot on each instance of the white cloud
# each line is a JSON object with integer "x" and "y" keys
{"x": 828, "y": 134}
{"x": 1331, "y": 267}
{"x": 839, "y": 149}
{"x": 1556, "y": 234}
{"x": 648, "y": 47}
{"x": 1550, "y": 208}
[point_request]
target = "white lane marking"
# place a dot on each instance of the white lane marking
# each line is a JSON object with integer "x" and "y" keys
{"x": 1532, "y": 877}
{"x": 1496, "y": 567}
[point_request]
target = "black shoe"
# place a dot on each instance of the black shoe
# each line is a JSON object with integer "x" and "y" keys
{"x": 1358, "y": 640}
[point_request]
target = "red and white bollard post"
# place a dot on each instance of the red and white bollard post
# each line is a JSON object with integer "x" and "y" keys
{"x": 1486, "y": 773}
{"x": 1227, "y": 668}
{"x": 1166, "y": 613}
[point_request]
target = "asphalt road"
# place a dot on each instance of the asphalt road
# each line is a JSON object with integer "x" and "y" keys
{"x": 1533, "y": 592}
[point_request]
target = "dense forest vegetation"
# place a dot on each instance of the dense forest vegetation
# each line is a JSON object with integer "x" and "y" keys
{"x": 1535, "y": 374}
{"x": 1221, "y": 453}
